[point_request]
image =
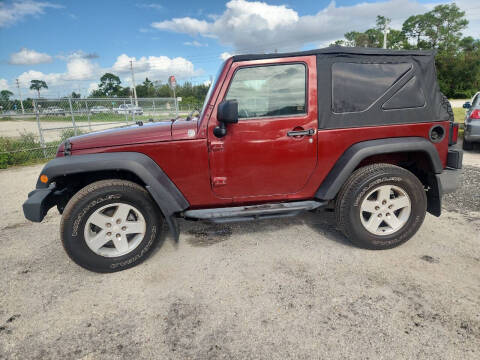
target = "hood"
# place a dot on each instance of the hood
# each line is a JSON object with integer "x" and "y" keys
{"x": 136, "y": 134}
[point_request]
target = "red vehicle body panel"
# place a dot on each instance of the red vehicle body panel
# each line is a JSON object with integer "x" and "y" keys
{"x": 256, "y": 159}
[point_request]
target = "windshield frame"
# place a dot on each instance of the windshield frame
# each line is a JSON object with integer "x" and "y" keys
{"x": 210, "y": 90}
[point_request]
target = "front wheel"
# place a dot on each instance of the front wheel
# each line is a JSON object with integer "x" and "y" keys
{"x": 381, "y": 206}
{"x": 110, "y": 225}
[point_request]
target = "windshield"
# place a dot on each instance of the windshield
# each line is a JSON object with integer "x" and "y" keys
{"x": 210, "y": 89}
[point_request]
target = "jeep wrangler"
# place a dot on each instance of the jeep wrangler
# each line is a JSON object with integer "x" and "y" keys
{"x": 363, "y": 132}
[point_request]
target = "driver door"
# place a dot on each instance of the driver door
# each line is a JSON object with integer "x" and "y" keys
{"x": 272, "y": 150}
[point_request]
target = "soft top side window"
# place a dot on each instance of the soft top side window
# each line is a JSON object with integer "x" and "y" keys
{"x": 356, "y": 86}
{"x": 269, "y": 91}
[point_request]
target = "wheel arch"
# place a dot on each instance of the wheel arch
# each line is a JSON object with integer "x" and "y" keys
{"x": 424, "y": 166}
{"x": 136, "y": 167}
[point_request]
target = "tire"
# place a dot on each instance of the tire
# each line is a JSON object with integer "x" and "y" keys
{"x": 446, "y": 104}
{"x": 361, "y": 189}
{"x": 103, "y": 200}
{"x": 467, "y": 145}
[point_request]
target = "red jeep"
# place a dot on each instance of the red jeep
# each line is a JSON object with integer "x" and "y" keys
{"x": 365, "y": 132}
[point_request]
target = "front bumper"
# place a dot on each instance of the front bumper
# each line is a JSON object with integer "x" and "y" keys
{"x": 39, "y": 202}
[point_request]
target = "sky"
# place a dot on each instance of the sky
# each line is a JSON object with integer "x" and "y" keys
{"x": 71, "y": 44}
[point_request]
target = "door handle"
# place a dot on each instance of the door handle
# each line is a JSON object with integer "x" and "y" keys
{"x": 308, "y": 132}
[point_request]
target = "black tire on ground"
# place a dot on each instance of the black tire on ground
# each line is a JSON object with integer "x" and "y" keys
{"x": 467, "y": 145}
{"x": 94, "y": 196}
{"x": 358, "y": 186}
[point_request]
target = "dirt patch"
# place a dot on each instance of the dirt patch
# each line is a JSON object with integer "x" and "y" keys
{"x": 209, "y": 234}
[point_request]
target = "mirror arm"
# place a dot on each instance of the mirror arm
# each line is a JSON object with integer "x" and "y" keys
{"x": 220, "y": 130}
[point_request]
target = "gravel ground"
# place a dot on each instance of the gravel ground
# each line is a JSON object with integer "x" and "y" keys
{"x": 277, "y": 289}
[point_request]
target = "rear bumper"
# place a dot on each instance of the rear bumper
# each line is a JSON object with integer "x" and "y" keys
{"x": 449, "y": 178}
{"x": 448, "y": 181}
{"x": 38, "y": 203}
{"x": 472, "y": 131}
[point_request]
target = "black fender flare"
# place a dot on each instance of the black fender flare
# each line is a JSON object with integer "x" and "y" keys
{"x": 165, "y": 193}
{"x": 352, "y": 157}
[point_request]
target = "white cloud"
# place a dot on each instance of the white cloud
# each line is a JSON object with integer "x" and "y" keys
{"x": 78, "y": 54}
{"x": 82, "y": 73}
{"x": 29, "y": 57}
{"x": 11, "y": 13}
{"x": 91, "y": 87}
{"x": 195, "y": 43}
{"x": 225, "y": 55}
{"x": 153, "y": 6}
{"x": 251, "y": 26}
{"x": 4, "y": 84}
{"x": 80, "y": 69}
{"x": 155, "y": 67}
{"x": 184, "y": 25}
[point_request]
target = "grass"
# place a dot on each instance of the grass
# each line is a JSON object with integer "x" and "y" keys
{"x": 459, "y": 114}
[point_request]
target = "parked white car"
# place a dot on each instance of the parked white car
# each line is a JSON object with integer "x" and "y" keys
{"x": 129, "y": 109}
{"x": 54, "y": 110}
{"x": 99, "y": 110}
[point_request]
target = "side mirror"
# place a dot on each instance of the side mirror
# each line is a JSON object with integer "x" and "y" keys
{"x": 227, "y": 113}
{"x": 467, "y": 105}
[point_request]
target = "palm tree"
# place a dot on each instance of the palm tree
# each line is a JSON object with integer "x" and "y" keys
{"x": 37, "y": 85}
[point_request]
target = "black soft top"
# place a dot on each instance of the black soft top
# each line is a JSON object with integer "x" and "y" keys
{"x": 337, "y": 50}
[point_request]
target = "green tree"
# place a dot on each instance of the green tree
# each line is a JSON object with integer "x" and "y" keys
{"x": 440, "y": 28}
{"x": 109, "y": 86}
{"x": 75, "y": 95}
{"x": 38, "y": 85}
{"x": 5, "y": 95}
{"x": 146, "y": 89}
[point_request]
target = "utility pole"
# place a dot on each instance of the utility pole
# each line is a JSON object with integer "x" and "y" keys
{"x": 385, "y": 32}
{"x": 20, "y": 96}
{"x": 133, "y": 83}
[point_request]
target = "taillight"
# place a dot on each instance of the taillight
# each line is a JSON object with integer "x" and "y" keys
{"x": 475, "y": 114}
{"x": 453, "y": 136}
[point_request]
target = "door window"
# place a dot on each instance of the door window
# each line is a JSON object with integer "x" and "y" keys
{"x": 269, "y": 91}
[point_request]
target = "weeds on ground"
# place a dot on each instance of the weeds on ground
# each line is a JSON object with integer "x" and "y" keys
{"x": 23, "y": 150}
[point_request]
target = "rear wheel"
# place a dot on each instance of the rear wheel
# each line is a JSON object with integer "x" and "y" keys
{"x": 110, "y": 225}
{"x": 381, "y": 206}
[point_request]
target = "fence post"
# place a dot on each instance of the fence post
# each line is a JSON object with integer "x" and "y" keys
{"x": 126, "y": 112}
{"x": 42, "y": 141}
{"x": 88, "y": 114}
{"x": 73, "y": 117}
{"x": 154, "y": 112}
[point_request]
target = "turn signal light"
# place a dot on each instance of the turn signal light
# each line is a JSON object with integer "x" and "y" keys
{"x": 44, "y": 178}
{"x": 475, "y": 114}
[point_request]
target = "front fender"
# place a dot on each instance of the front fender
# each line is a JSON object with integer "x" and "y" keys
{"x": 167, "y": 196}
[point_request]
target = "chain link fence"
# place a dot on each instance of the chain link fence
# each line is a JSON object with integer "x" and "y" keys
{"x": 35, "y": 132}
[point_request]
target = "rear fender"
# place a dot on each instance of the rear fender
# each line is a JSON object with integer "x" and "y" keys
{"x": 354, "y": 155}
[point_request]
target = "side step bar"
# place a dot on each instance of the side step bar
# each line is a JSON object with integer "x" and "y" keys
{"x": 254, "y": 212}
